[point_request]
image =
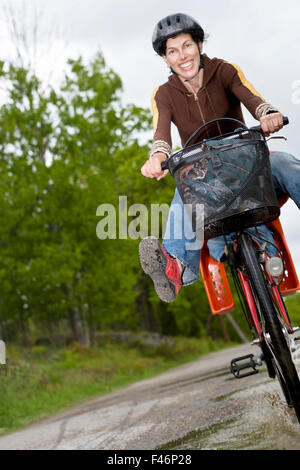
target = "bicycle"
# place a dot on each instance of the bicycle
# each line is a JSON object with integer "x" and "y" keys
{"x": 257, "y": 277}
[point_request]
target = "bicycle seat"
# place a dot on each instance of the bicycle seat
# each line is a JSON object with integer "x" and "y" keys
{"x": 216, "y": 283}
{"x": 290, "y": 283}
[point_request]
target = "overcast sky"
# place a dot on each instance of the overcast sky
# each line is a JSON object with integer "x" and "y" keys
{"x": 261, "y": 36}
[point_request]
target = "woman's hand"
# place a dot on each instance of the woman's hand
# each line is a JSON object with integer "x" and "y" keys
{"x": 152, "y": 167}
{"x": 271, "y": 123}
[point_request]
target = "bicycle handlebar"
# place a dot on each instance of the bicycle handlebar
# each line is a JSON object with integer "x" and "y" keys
{"x": 164, "y": 165}
{"x": 259, "y": 129}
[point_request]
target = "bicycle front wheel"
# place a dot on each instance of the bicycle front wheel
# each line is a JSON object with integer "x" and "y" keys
{"x": 276, "y": 337}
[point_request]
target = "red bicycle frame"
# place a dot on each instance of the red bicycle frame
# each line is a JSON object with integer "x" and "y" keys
{"x": 254, "y": 319}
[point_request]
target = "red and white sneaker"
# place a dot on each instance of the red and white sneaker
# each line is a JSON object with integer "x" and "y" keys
{"x": 162, "y": 268}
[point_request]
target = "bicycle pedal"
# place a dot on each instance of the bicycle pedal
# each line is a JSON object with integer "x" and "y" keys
{"x": 240, "y": 364}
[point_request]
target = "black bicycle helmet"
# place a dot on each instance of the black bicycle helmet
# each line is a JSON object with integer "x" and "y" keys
{"x": 172, "y": 25}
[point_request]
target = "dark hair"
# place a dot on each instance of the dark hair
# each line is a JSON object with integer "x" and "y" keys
{"x": 196, "y": 36}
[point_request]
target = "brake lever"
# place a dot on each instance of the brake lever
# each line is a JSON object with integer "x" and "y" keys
{"x": 277, "y": 137}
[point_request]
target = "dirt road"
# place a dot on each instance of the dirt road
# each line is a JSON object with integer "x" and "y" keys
{"x": 196, "y": 406}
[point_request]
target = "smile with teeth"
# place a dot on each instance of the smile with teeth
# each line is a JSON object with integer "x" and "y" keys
{"x": 186, "y": 65}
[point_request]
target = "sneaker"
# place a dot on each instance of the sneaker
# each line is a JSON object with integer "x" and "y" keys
{"x": 161, "y": 267}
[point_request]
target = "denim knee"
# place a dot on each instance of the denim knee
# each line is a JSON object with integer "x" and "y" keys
{"x": 286, "y": 174}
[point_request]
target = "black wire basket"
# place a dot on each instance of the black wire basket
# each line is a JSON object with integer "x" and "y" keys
{"x": 226, "y": 182}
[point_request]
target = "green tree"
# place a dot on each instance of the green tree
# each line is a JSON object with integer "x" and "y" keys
{"x": 58, "y": 162}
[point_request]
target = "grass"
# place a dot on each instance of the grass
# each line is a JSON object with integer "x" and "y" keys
{"x": 39, "y": 381}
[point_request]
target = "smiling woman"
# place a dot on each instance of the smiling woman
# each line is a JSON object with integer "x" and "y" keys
{"x": 199, "y": 90}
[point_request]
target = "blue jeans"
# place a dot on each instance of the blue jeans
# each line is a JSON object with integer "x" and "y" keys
{"x": 180, "y": 241}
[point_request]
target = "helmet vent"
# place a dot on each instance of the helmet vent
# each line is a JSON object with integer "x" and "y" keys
{"x": 178, "y": 19}
{"x": 169, "y": 21}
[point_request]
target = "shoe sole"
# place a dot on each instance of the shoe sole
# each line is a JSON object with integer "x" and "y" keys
{"x": 154, "y": 265}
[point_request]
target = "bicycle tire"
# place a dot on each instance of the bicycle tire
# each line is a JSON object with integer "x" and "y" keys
{"x": 272, "y": 327}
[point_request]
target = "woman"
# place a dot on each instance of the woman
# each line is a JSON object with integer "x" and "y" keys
{"x": 199, "y": 90}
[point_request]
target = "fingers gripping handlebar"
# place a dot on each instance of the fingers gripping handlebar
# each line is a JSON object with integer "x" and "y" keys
{"x": 165, "y": 166}
{"x": 258, "y": 128}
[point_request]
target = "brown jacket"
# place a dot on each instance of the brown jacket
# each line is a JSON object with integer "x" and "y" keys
{"x": 224, "y": 89}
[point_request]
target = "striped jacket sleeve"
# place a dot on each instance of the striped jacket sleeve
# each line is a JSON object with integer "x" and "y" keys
{"x": 162, "y": 116}
{"x": 245, "y": 92}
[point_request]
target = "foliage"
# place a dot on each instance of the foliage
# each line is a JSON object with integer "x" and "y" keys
{"x": 293, "y": 307}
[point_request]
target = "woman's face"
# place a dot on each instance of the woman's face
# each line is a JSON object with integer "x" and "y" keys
{"x": 182, "y": 55}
